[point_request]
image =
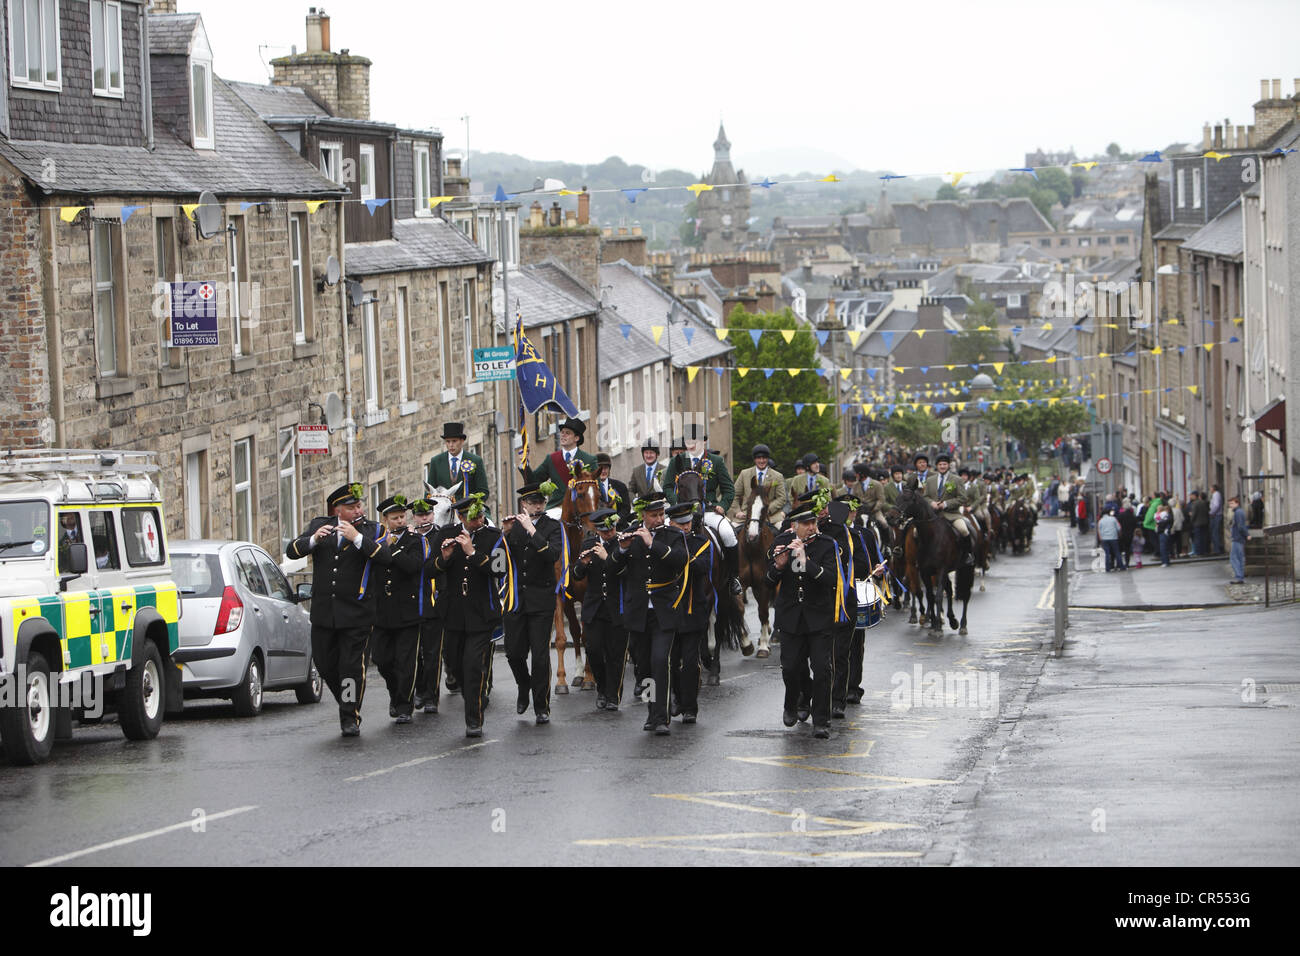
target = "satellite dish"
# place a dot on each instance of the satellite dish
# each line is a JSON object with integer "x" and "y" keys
{"x": 333, "y": 411}
{"x": 355, "y": 293}
{"x": 332, "y": 271}
{"x": 499, "y": 421}
{"x": 207, "y": 216}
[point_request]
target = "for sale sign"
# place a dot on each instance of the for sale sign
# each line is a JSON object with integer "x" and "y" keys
{"x": 194, "y": 314}
{"x": 313, "y": 440}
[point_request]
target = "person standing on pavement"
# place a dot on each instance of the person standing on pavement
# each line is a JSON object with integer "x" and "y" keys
{"x": 1127, "y": 526}
{"x": 1151, "y": 542}
{"x": 343, "y": 548}
{"x": 396, "y": 639}
{"x": 1198, "y": 517}
{"x": 602, "y": 624}
{"x": 1216, "y": 520}
{"x": 535, "y": 544}
{"x": 1108, "y": 531}
{"x": 1164, "y": 533}
{"x": 1256, "y": 509}
{"x": 1237, "y": 555}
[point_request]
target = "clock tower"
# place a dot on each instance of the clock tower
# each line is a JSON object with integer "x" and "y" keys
{"x": 723, "y": 211}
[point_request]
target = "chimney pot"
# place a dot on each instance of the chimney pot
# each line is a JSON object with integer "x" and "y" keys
{"x": 584, "y": 207}
{"x": 1250, "y": 135}
{"x": 1241, "y": 137}
{"x": 1263, "y": 89}
{"x": 313, "y": 31}
{"x": 1205, "y": 137}
{"x": 1277, "y": 89}
{"x": 555, "y": 214}
{"x": 1218, "y": 136}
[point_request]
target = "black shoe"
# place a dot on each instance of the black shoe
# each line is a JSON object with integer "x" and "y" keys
{"x": 804, "y": 715}
{"x": 640, "y": 689}
{"x": 821, "y": 733}
{"x": 648, "y": 725}
{"x": 392, "y": 711}
{"x": 430, "y": 707}
{"x": 600, "y": 701}
{"x": 688, "y": 718}
{"x": 521, "y": 704}
{"x": 403, "y": 719}
{"x": 674, "y": 710}
{"x": 543, "y": 719}
{"x": 837, "y": 711}
{"x": 419, "y": 702}
{"x": 855, "y": 698}
{"x": 611, "y": 705}
{"x": 350, "y": 728}
{"x": 473, "y": 730}
{"x": 451, "y": 684}
{"x": 662, "y": 730}
{"x": 787, "y": 718}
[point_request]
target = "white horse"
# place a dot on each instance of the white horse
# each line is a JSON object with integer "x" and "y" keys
{"x": 442, "y": 500}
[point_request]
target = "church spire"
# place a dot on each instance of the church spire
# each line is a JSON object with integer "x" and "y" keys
{"x": 721, "y": 146}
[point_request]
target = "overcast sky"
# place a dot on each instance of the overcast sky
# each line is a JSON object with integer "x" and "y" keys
{"x": 912, "y": 87}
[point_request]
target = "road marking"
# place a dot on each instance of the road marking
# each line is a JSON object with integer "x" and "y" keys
{"x": 739, "y": 677}
{"x": 184, "y": 825}
{"x": 419, "y": 760}
{"x": 1047, "y": 600}
{"x": 885, "y": 783}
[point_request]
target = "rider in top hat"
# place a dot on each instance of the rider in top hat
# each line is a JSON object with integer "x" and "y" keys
{"x": 455, "y": 464}
{"x": 647, "y": 476}
{"x": 557, "y": 467}
{"x": 719, "y": 493}
{"x": 948, "y": 493}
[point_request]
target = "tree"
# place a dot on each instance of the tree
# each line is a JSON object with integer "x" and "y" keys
{"x": 947, "y": 191}
{"x": 689, "y": 232}
{"x": 787, "y": 434}
{"x": 1052, "y": 413}
{"x": 1058, "y": 181}
{"x": 972, "y": 346}
{"x": 913, "y": 429}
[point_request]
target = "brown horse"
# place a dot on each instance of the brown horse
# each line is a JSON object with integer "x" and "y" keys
{"x": 938, "y": 553}
{"x": 756, "y": 535}
{"x": 581, "y": 498}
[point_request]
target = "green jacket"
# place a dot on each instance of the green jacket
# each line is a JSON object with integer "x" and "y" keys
{"x": 547, "y": 471}
{"x": 438, "y": 473}
{"x": 720, "y": 490}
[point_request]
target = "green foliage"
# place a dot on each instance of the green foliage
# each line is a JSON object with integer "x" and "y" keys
{"x": 1033, "y": 424}
{"x": 1058, "y": 182}
{"x": 913, "y": 428}
{"x": 947, "y": 191}
{"x": 972, "y": 346}
{"x": 686, "y": 231}
{"x": 789, "y": 436}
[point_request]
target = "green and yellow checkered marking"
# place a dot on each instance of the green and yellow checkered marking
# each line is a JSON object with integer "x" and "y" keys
{"x": 104, "y": 637}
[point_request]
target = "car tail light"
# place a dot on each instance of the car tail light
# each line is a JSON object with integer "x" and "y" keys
{"x": 231, "y": 613}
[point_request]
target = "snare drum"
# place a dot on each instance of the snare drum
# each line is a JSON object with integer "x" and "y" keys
{"x": 870, "y": 604}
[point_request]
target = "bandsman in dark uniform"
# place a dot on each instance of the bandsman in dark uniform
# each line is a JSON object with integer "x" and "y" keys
{"x": 693, "y": 612}
{"x": 535, "y": 544}
{"x": 396, "y": 641}
{"x": 833, "y": 523}
{"x": 602, "y": 622}
{"x": 652, "y": 561}
{"x": 801, "y": 566}
{"x": 429, "y": 671}
{"x": 345, "y": 550}
{"x": 473, "y": 606}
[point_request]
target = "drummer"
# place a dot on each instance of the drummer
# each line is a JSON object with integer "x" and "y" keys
{"x": 846, "y": 687}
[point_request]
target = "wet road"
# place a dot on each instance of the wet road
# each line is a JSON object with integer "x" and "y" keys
{"x": 589, "y": 789}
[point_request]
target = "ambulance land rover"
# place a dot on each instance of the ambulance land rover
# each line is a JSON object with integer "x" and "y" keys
{"x": 88, "y": 607}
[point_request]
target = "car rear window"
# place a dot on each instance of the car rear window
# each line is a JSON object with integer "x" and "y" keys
{"x": 197, "y": 575}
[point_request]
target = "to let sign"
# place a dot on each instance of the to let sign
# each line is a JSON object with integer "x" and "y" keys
{"x": 494, "y": 364}
{"x": 313, "y": 440}
{"x": 194, "y": 314}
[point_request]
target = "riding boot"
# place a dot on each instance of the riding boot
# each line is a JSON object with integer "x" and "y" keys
{"x": 968, "y": 550}
{"x": 731, "y": 559}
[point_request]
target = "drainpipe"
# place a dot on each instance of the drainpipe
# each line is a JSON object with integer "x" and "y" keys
{"x": 53, "y": 321}
{"x": 145, "y": 83}
{"x": 349, "y": 426}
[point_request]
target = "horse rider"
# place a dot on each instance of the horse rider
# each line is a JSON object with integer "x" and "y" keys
{"x": 949, "y": 499}
{"x": 455, "y": 465}
{"x": 693, "y": 614}
{"x": 801, "y": 567}
{"x": 895, "y": 486}
{"x": 761, "y": 474}
{"x": 343, "y": 547}
{"x": 647, "y": 476}
{"x": 871, "y": 499}
{"x": 612, "y": 492}
{"x": 977, "y": 497}
{"x": 812, "y": 479}
{"x": 921, "y": 468}
{"x": 401, "y": 608}
{"x": 473, "y": 604}
{"x": 535, "y": 543}
{"x": 602, "y": 622}
{"x": 559, "y": 465}
{"x": 719, "y": 493}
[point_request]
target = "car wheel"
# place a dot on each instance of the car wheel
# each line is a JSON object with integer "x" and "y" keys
{"x": 248, "y": 695}
{"x": 311, "y": 691}
{"x": 141, "y": 708}
{"x": 28, "y": 725}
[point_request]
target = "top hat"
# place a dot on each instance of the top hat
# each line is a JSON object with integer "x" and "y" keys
{"x": 575, "y": 425}
{"x": 453, "y": 430}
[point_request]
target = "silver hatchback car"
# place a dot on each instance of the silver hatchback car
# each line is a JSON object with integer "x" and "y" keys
{"x": 243, "y": 631}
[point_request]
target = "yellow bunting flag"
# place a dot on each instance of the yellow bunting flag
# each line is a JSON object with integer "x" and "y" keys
{"x": 189, "y": 208}
{"x": 1086, "y": 165}
{"x": 1047, "y": 326}
{"x": 997, "y": 367}
{"x": 920, "y": 333}
{"x": 1215, "y": 156}
{"x": 743, "y": 370}
{"x": 1172, "y": 322}
{"x": 788, "y": 335}
{"x": 69, "y": 213}
{"x": 821, "y": 407}
{"x": 734, "y": 403}
{"x": 657, "y": 331}
{"x": 314, "y": 204}
{"x": 698, "y": 188}
{"x": 794, "y": 371}
{"x": 722, "y": 333}
{"x": 845, "y": 373}
{"x": 866, "y": 409}
{"x": 776, "y": 406}
{"x": 832, "y": 178}
{"x": 1101, "y": 396}
{"x": 1157, "y": 350}
{"x": 1193, "y": 388}
{"x": 956, "y": 177}
{"x": 570, "y": 192}
{"x": 1208, "y": 345}
{"x": 691, "y": 372}
{"x": 854, "y": 335}
{"x": 436, "y": 201}
{"x": 899, "y": 369}
{"x": 1103, "y": 355}
{"x": 1238, "y": 321}
{"x": 1052, "y": 401}
{"x": 1050, "y": 359}
{"x": 983, "y": 328}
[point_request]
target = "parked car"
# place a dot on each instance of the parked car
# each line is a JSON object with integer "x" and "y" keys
{"x": 244, "y": 631}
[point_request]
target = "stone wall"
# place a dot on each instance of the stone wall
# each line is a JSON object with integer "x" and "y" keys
{"x": 24, "y": 385}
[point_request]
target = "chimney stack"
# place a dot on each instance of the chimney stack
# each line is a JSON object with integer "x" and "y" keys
{"x": 1277, "y": 89}
{"x": 162, "y": 6}
{"x": 584, "y": 207}
{"x": 318, "y": 31}
{"x": 1272, "y": 112}
{"x": 1205, "y": 137}
{"x": 339, "y": 81}
{"x": 536, "y": 217}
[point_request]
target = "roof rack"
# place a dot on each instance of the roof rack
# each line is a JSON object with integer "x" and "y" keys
{"x": 76, "y": 461}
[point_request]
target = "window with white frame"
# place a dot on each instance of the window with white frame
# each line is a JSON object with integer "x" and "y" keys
{"x": 1196, "y": 188}
{"x": 109, "y": 298}
{"x": 575, "y": 374}
{"x": 196, "y": 498}
{"x": 370, "y": 345}
{"x": 1013, "y": 300}
{"x": 331, "y": 161}
{"x": 34, "y": 44}
{"x": 237, "y": 259}
{"x": 648, "y": 400}
{"x": 467, "y": 296}
{"x": 404, "y": 376}
{"x": 106, "y": 47}
{"x": 486, "y": 234}
{"x": 288, "y": 464}
{"x": 1181, "y": 179}
{"x": 201, "y": 103}
{"x": 366, "y": 173}
{"x": 297, "y": 276}
{"x": 625, "y": 411}
{"x": 242, "y": 490}
{"x": 615, "y": 409}
{"x": 165, "y": 257}
{"x": 423, "y": 181}
{"x": 444, "y": 334}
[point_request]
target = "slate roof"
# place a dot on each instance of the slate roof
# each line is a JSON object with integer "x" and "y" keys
{"x": 898, "y": 322}
{"x": 170, "y": 33}
{"x": 641, "y": 303}
{"x": 954, "y": 224}
{"x": 416, "y": 244}
{"x": 539, "y": 301}
{"x": 1221, "y": 236}
{"x": 1177, "y": 230}
{"x": 618, "y": 355}
{"x": 280, "y": 101}
{"x": 555, "y": 273}
{"x": 250, "y": 159}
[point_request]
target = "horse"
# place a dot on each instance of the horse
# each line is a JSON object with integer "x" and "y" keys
{"x": 1020, "y": 526}
{"x": 756, "y": 535}
{"x": 581, "y": 498}
{"x": 729, "y": 618}
{"x": 995, "y": 529}
{"x": 937, "y": 554}
{"x": 902, "y": 563}
{"x": 442, "y": 500}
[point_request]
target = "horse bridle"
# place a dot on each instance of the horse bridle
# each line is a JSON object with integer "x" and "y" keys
{"x": 576, "y": 525}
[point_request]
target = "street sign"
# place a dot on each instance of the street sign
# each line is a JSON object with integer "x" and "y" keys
{"x": 494, "y": 364}
{"x": 313, "y": 440}
{"x": 1104, "y": 465}
{"x": 194, "y": 314}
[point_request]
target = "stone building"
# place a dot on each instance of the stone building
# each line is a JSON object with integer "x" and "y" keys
{"x": 723, "y": 211}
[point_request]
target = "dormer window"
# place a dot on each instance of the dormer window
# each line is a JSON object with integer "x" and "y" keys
{"x": 106, "y": 47}
{"x": 423, "y": 181}
{"x": 34, "y": 44}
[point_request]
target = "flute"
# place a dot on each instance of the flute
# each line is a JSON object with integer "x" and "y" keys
{"x": 782, "y": 548}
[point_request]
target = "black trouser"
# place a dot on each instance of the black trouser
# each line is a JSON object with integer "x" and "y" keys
{"x": 340, "y": 656}
{"x": 395, "y": 651}
{"x": 797, "y": 650}
{"x": 638, "y": 648}
{"x": 841, "y": 651}
{"x": 530, "y": 634}
{"x": 661, "y": 642}
{"x": 476, "y": 669}
{"x": 606, "y": 656}
{"x": 686, "y": 670}
{"x": 453, "y": 652}
{"x": 428, "y": 672}
{"x": 857, "y": 652}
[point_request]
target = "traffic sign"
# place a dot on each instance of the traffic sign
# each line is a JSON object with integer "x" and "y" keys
{"x": 1104, "y": 465}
